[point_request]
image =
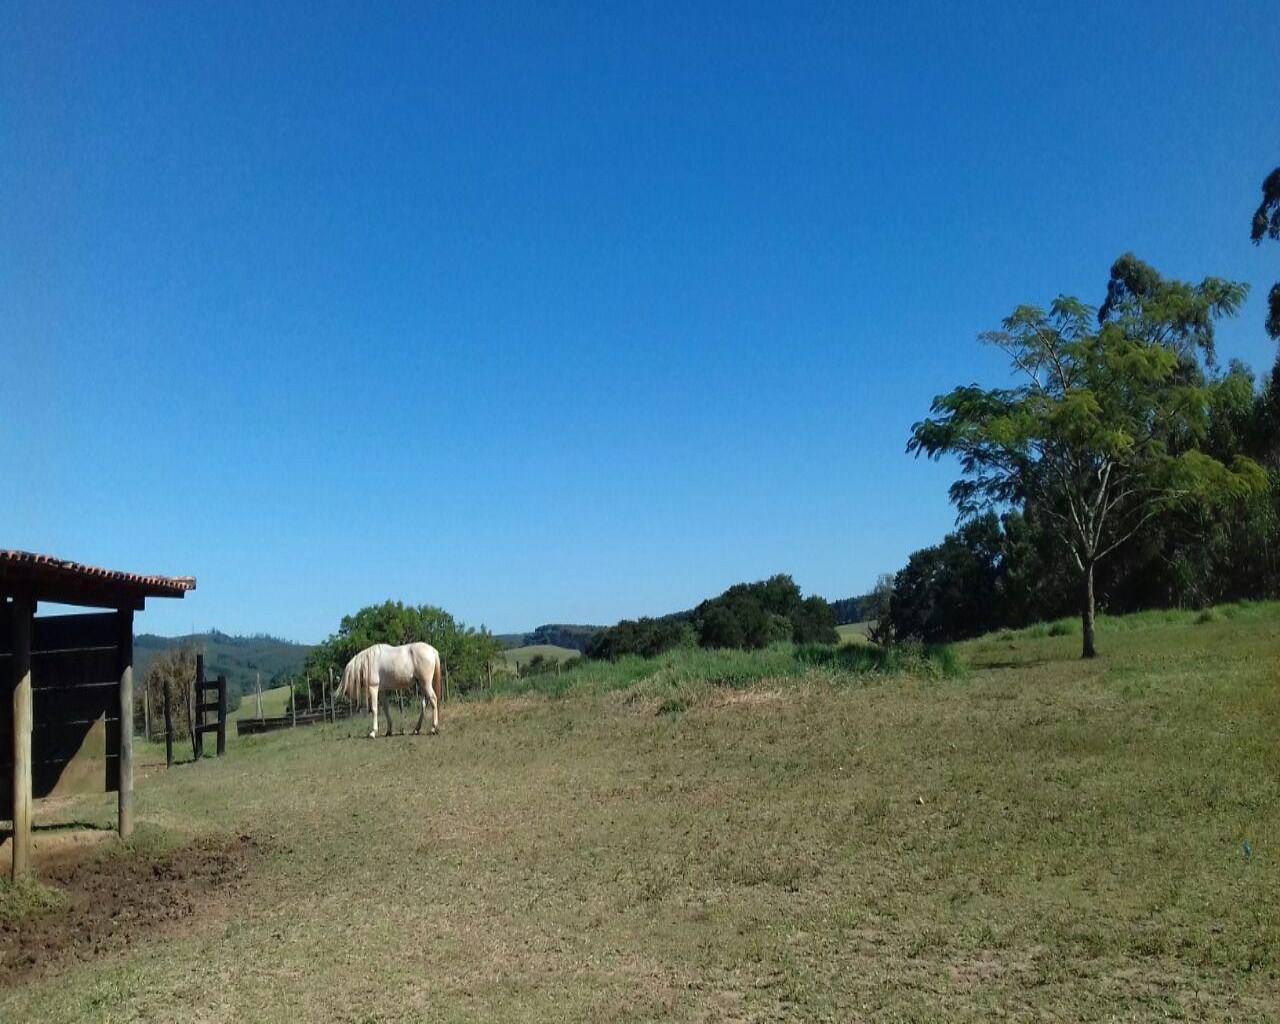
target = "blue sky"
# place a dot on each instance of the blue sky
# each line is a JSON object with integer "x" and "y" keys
{"x": 565, "y": 313}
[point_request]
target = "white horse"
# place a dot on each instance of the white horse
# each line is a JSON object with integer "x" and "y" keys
{"x": 395, "y": 668}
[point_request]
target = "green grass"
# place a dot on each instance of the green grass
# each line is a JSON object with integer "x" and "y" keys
{"x": 720, "y": 836}
{"x": 680, "y": 677}
{"x": 523, "y": 655}
{"x": 275, "y": 702}
{"x": 854, "y": 632}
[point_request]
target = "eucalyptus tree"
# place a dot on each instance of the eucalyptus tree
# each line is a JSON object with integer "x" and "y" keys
{"x": 1101, "y": 431}
{"x": 1266, "y": 224}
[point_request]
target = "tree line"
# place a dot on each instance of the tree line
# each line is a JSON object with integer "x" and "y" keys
{"x": 467, "y": 652}
{"x": 1124, "y": 465}
{"x": 747, "y": 615}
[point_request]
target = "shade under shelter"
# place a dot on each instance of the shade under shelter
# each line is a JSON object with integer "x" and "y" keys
{"x": 70, "y": 682}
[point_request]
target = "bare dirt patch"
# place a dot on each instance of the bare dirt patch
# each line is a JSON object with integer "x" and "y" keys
{"x": 114, "y": 902}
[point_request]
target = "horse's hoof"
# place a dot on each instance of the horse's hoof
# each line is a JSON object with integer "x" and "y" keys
{"x": 434, "y": 731}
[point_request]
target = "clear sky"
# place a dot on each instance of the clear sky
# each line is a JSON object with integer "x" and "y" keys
{"x": 565, "y": 312}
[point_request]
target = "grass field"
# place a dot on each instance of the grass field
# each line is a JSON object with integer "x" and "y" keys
{"x": 275, "y": 702}
{"x": 523, "y": 655}
{"x": 719, "y": 838}
{"x": 854, "y": 632}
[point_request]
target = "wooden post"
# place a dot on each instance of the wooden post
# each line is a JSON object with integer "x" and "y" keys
{"x": 188, "y": 694}
{"x": 222, "y": 715}
{"x": 125, "y": 640}
{"x": 333, "y": 699}
{"x": 146, "y": 712}
{"x": 293, "y": 706}
{"x": 309, "y": 708}
{"x": 258, "y": 684}
{"x": 197, "y": 698}
{"x": 488, "y": 674}
{"x": 23, "y": 611}
{"x": 168, "y": 727}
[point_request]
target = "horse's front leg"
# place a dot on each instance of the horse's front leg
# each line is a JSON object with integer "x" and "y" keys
{"x": 422, "y": 715}
{"x": 391, "y": 729}
{"x": 373, "y": 705}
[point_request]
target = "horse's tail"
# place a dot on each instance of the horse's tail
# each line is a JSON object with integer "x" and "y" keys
{"x": 355, "y": 680}
{"x": 437, "y": 679}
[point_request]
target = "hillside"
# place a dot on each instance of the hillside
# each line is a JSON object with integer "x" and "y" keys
{"x": 239, "y": 658}
{"x": 573, "y": 637}
{"x": 717, "y": 836}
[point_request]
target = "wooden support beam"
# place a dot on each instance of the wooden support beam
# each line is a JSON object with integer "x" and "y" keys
{"x": 125, "y": 823}
{"x": 23, "y": 610}
{"x": 168, "y": 725}
{"x": 222, "y": 715}
{"x": 197, "y": 695}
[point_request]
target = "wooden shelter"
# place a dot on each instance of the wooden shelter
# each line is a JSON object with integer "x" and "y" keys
{"x": 71, "y": 679}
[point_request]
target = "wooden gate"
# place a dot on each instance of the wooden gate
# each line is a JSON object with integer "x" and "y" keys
{"x": 216, "y": 706}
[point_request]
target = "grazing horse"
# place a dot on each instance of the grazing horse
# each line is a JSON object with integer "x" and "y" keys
{"x": 406, "y": 667}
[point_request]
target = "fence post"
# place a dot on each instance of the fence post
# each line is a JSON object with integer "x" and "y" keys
{"x": 222, "y": 715}
{"x": 333, "y": 699}
{"x": 197, "y": 694}
{"x": 23, "y": 611}
{"x": 168, "y": 728}
{"x": 293, "y": 706}
{"x": 124, "y": 784}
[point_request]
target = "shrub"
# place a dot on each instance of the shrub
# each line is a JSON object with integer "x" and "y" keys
{"x": 645, "y": 637}
{"x": 755, "y": 615}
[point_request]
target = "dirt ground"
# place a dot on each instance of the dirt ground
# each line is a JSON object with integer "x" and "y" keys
{"x": 112, "y": 902}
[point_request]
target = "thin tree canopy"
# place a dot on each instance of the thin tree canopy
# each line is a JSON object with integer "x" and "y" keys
{"x": 1103, "y": 430}
{"x": 1266, "y": 224}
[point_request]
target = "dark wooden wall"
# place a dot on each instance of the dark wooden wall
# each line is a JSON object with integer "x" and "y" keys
{"x": 75, "y": 679}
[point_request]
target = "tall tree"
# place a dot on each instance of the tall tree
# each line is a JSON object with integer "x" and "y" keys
{"x": 1102, "y": 431}
{"x": 1266, "y": 224}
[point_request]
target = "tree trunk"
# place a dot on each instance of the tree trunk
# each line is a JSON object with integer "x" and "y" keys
{"x": 1090, "y": 651}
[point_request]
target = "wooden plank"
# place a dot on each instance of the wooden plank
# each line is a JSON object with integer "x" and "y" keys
{"x": 67, "y": 632}
{"x": 71, "y": 668}
{"x": 74, "y": 632}
{"x": 20, "y": 805}
{"x": 93, "y": 699}
{"x": 87, "y": 593}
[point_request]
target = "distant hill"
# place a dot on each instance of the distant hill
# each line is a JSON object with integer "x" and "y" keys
{"x": 853, "y": 609}
{"x": 239, "y": 658}
{"x": 552, "y": 635}
{"x": 576, "y": 638}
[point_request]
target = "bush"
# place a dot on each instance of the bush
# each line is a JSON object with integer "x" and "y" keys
{"x": 645, "y": 637}
{"x": 937, "y": 661}
{"x": 755, "y": 615}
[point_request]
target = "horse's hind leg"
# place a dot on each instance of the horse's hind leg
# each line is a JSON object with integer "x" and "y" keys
{"x": 391, "y": 729}
{"x": 422, "y": 715}
{"x": 373, "y": 705}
